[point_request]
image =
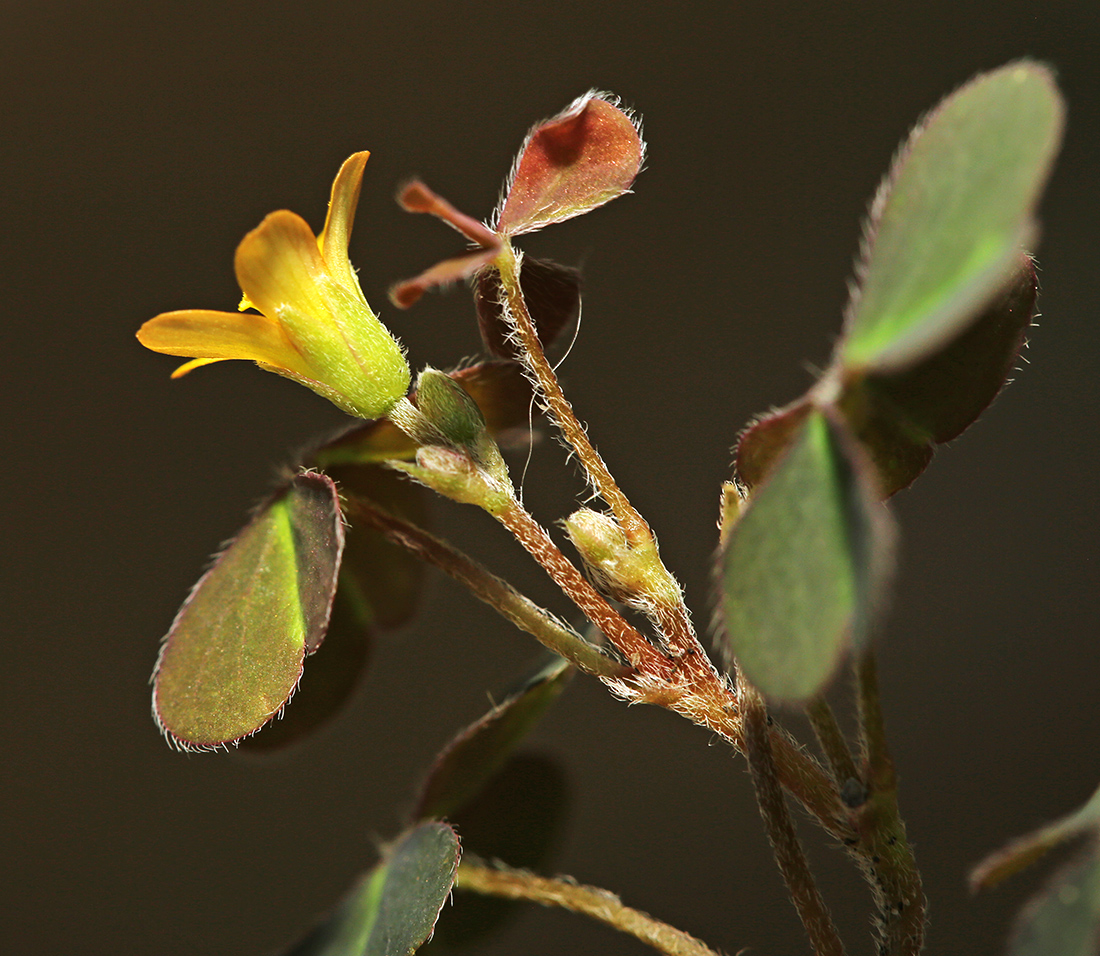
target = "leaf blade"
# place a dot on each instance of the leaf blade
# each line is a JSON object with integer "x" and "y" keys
{"x": 475, "y": 755}
{"x": 953, "y": 215}
{"x": 803, "y": 565}
{"x": 393, "y": 909}
{"x": 234, "y": 654}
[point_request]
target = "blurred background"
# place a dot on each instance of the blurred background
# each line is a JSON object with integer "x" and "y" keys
{"x": 141, "y": 141}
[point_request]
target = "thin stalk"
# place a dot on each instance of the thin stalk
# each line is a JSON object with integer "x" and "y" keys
{"x": 497, "y": 593}
{"x": 888, "y": 862}
{"x": 535, "y": 540}
{"x": 557, "y": 405}
{"x": 777, "y": 820}
{"x": 672, "y": 618}
{"x": 831, "y": 740}
{"x": 588, "y": 900}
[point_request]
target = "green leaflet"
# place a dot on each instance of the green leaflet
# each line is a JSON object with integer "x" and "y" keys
{"x": 393, "y": 909}
{"x": 949, "y": 223}
{"x": 803, "y": 565}
{"x": 234, "y": 653}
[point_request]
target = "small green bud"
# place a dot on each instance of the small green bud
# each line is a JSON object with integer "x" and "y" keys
{"x": 452, "y": 414}
{"x": 455, "y": 475}
{"x": 631, "y": 575}
{"x": 449, "y": 407}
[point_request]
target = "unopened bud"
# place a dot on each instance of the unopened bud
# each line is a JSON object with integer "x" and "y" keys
{"x": 455, "y": 475}
{"x": 631, "y": 575}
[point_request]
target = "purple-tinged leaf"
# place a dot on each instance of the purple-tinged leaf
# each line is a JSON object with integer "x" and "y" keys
{"x": 582, "y": 158}
{"x": 393, "y": 909}
{"x": 764, "y": 442}
{"x": 234, "y": 654}
{"x": 553, "y": 296}
{"x": 416, "y": 197}
{"x": 899, "y": 417}
{"x": 469, "y": 761}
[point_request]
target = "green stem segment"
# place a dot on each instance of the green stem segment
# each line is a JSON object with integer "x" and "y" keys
{"x": 883, "y": 850}
{"x": 832, "y": 743}
{"x": 588, "y": 900}
{"x": 777, "y": 820}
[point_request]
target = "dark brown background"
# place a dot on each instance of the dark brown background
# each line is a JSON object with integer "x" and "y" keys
{"x": 141, "y": 141}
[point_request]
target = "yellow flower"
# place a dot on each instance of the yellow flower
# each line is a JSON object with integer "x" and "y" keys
{"x": 315, "y": 328}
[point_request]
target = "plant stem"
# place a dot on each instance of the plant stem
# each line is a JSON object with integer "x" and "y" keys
{"x": 832, "y": 742}
{"x": 506, "y": 600}
{"x": 689, "y": 685}
{"x": 557, "y": 405}
{"x": 777, "y": 820}
{"x": 672, "y": 618}
{"x": 589, "y": 900}
{"x": 535, "y": 540}
{"x": 884, "y": 851}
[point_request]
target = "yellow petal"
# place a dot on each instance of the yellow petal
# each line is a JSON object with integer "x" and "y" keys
{"x": 333, "y": 241}
{"x": 192, "y": 365}
{"x": 221, "y": 335}
{"x": 278, "y": 264}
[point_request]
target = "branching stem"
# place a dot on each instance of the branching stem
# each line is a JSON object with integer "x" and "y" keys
{"x": 672, "y": 618}
{"x": 535, "y": 540}
{"x": 497, "y": 593}
{"x": 777, "y": 820}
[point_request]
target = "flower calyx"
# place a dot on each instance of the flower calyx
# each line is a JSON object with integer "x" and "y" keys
{"x": 315, "y": 326}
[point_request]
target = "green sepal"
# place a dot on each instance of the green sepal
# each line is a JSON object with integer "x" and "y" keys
{"x": 948, "y": 225}
{"x": 803, "y": 565}
{"x": 393, "y": 909}
{"x": 233, "y": 656}
{"x": 448, "y": 406}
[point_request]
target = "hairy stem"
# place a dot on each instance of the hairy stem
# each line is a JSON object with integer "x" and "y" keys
{"x": 588, "y": 900}
{"x": 672, "y": 618}
{"x": 689, "y": 685}
{"x": 533, "y": 537}
{"x": 557, "y": 405}
{"x": 884, "y": 851}
{"x": 777, "y": 820}
{"x": 497, "y": 593}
